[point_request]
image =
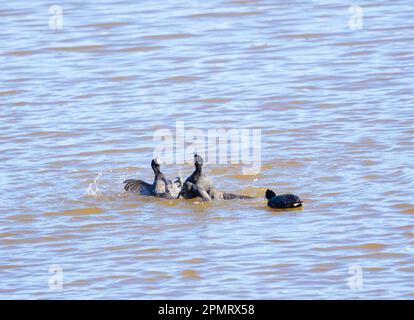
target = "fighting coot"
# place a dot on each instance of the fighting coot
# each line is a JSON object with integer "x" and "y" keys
{"x": 161, "y": 187}
{"x": 198, "y": 184}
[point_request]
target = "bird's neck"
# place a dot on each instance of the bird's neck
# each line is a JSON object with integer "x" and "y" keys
{"x": 198, "y": 170}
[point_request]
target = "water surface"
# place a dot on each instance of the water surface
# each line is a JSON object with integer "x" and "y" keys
{"x": 79, "y": 106}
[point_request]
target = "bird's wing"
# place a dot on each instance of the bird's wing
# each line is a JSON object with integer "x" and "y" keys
{"x": 138, "y": 186}
{"x": 293, "y": 200}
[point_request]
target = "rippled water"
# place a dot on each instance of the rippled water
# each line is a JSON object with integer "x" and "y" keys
{"x": 79, "y": 107}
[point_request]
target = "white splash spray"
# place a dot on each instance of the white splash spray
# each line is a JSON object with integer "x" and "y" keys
{"x": 93, "y": 189}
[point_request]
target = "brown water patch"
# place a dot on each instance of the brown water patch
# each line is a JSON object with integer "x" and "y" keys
{"x": 369, "y": 162}
{"x": 169, "y": 36}
{"x": 79, "y": 283}
{"x": 151, "y": 250}
{"x": 224, "y": 14}
{"x": 141, "y": 49}
{"x": 250, "y": 191}
{"x": 407, "y": 227}
{"x": 16, "y": 241}
{"x": 9, "y": 92}
{"x": 190, "y": 274}
{"x": 330, "y": 178}
{"x": 22, "y": 217}
{"x": 55, "y": 238}
{"x": 78, "y": 48}
{"x": 279, "y": 163}
{"x": 27, "y": 240}
{"x": 155, "y": 276}
{"x": 403, "y": 206}
{"x": 20, "y": 53}
{"x": 122, "y": 78}
{"x": 408, "y": 211}
{"x": 332, "y": 194}
{"x": 180, "y": 79}
{"x": 323, "y": 267}
{"x": 361, "y": 53}
{"x": 265, "y": 273}
{"x": 213, "y": 61}
{"x": 279, "y": 241}
{"x": 105, "y": 25}
{"x": 8, "y": 235}
{"x": 97, "y": 225}
{"x": 129, "y": 205}
{"x": 308, "y": 87}
{"x": 375, "y": 42}
{"x": 213, "y": 100}
{"x": 8, "y": 267}
{"x": 120, "y": 247}
{"x": 367, "y": 246}
{"x": 374, "y": 269}
{"x": 243, "y": 2}
{"x": 85, "y": 96}
{"x": 21, "y": 104}
{"x": 219, "y": 170}
{"x": 382, "y": 255}
{"x": 407, "y": 269}
{"x": 326, "y": 105}
{"x": 401, "y": 53}
{"x": 304, "y": 36}
{"x": 269, "y": 165}
{"x": 45, "y": 133}
{"x": 372, "y": 177}
{"x": 194, "y": 261}
{"x": 408, "y": 234}
{"x": 246, "y": 177}
{"x": 17, "y": 80}
{"x": 84, "y": 211}
{"x": 405, "y": 143}
{"x": 109, "y": 151}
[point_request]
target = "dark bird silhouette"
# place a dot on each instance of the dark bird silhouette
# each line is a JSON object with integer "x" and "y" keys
{"x": 161, "y": 187}
{"x": 198, "y": 184}
{"x": 283, "y": 201}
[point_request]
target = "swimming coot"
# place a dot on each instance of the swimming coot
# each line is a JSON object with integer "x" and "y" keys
{"x": 283, "y": 201}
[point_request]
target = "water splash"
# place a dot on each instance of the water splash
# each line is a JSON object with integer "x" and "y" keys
{"x": 107, "y": 185}
{"x": 93, "y": 189}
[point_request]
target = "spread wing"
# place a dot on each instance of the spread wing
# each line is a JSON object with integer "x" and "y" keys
{"x": 138, "y": 186}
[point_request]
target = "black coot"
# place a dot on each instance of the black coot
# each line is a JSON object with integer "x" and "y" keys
{"x": 282, "y": 201}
